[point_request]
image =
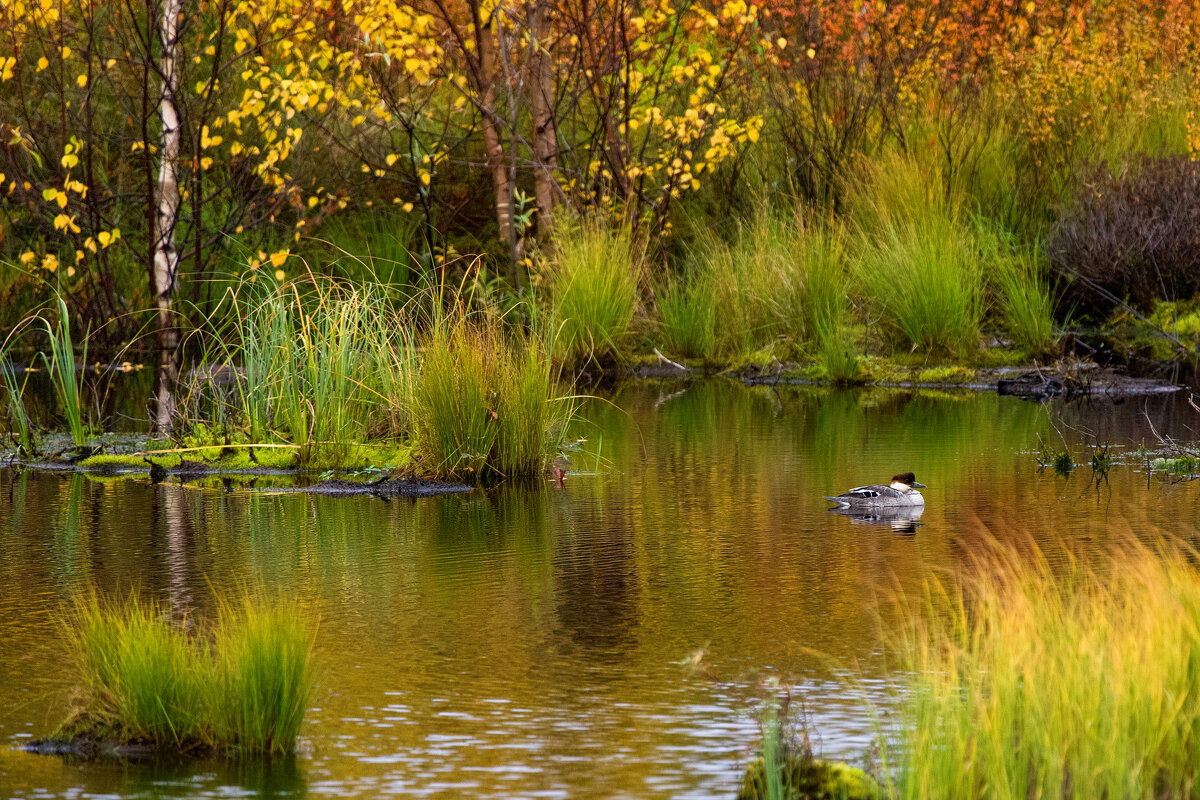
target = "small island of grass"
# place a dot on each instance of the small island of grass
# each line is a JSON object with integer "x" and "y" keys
{"x": 151, "y": 686}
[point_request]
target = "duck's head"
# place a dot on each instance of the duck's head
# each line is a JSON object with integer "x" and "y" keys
{"x": 906, "y": 481}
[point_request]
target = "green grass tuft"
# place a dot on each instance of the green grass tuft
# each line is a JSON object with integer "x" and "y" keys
{"x": 1025, "y": 299}
{"x": 19, "y": 423}
{"x": 688, "y": 317}
{"x": 243, "y": 685}
{"x": 926, "y": 278}
{"x": 263, "y": 663}
{"x": 782, "y": 280}
{"x": 594, "y": 284}
{"x": 485, "y": 402}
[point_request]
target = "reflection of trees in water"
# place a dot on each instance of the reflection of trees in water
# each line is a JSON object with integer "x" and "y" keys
{"x": 170, "y": 515}
{"x": 595, "y": 580}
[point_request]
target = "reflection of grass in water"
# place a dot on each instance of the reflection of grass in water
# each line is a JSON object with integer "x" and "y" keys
{"x": 1071, "y": 681}
{"x": 933, "y": 436}
{"x": 846, "y": 433}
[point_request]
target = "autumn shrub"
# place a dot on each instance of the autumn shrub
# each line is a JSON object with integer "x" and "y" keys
{"x": 1053, "y": 679}
{"x": 593, "y": 277}
{"x": 1131, "y": 236}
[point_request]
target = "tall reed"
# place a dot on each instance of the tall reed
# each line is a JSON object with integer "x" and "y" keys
{"x": 64, "y": 377}
{"x": 1054, "y": 679}
{"x": 314, "y": 363}
{"x": 689, "y": 316}
{"x": 1025, "y": 300}
{"x": 19, "y": 422}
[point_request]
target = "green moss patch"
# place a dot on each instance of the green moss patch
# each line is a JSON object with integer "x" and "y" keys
{"x": 946, "y": 375}
{"x": 808, "y": 778}
{"x": 115, "y": 464}
{"x": 251, "y": 458}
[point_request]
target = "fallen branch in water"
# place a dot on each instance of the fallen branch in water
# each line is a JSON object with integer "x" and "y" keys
{"x": 674, "y": 364}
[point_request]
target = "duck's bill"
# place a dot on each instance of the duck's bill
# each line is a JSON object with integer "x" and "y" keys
{"x": 919, "y": 486}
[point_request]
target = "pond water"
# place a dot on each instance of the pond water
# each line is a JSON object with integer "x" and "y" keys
{"x": 604, "y": 639}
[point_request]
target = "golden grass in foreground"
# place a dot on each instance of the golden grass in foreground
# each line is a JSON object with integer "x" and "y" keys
{"x": 1056, "y": 681}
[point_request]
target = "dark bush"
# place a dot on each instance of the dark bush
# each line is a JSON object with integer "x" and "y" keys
{"x": 1132, "y": 237}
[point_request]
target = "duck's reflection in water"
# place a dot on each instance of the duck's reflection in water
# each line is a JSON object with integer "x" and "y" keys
{"x": 902, "y": 519}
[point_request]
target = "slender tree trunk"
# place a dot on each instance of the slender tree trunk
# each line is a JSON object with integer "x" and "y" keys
{"x": 496, "y": 161}
{"x": 165, "y": 271}
{"x": 545, "y": 132}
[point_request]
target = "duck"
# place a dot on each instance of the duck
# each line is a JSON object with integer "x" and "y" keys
{"x": 902, "y": 491}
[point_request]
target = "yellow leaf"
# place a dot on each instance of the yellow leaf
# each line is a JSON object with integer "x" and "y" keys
{"x": 43, "y": 63}
{"x": 280, "y": 275}
{"x": 27, "y": 257}
{"x": 50, "y": 262}
{"x": 61, "y": 199}
{"x": 278, "y": 258}
{"x": 81, "y": 81}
